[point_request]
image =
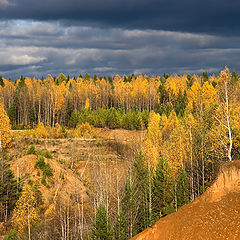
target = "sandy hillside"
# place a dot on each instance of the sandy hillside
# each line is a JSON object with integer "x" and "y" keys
{"x": 215, "y": 215}
{"x": 82, "y": 162}
{"x": 59, "y": 187}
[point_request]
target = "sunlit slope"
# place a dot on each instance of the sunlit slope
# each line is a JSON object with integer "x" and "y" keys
{"x": 215, "y": 215}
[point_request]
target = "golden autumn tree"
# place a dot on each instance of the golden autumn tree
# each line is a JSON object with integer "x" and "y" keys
{"x": 223, "y": 114}
{"x": 87, "y": 104}
{"x": 25, "y": 213}
{"x": 5, "y": 128}
{"x": 151, "y": 145}
{"x": 151, "y": 149}
{"x": 41, "y": 131}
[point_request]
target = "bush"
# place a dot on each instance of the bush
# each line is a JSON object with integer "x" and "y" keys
{"x": 167, "y": 210}
{"x": 113, "y": 118}
{"x": 43, "y": 180}
{"x": 31, "y": 150}
{"x": 45, "y": 153}
{"x": 11, "y": 235}
{"x": 83, "y": 130}
{"x": 61, "y": 175}
{"x": 57, "y": 131}
{"x": 40, "y": 163}
{"x": 41, "y": 131}
{"x": 47, "y": 170}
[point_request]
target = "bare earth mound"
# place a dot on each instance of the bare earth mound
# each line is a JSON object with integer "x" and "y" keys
{"x": 215, "y": 215}
{"x": 63, "y": 187}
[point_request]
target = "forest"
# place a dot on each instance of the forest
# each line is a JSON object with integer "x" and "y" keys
{"x": 191, "y": 125}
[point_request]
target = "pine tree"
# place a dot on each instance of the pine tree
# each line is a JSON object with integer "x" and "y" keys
{"x": 136, "y": 199}
{"x": 182, "y": 191}
{"x": 12, "y": 113}
{"x": 32, "y": 116}
{"x": 163, "y": 189}
{"x": 102, "y": 228}
{"x": 87, "y": 76}
{"x": 143, "y": 181}
{"x": 120, "y": 227}
{"x": 9, "y": 189}
{"x": 1, "y": 81}
{"x": 129, "y": 207}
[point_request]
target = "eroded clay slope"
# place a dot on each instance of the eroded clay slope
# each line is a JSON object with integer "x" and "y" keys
{"x": 215, "y": 215}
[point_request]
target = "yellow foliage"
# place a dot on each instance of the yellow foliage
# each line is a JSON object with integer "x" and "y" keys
{"x": 194, "y": 94}
{"x": 41, "y": 131}
{"x": 209, "y": 94}
{"x": 57, "y": 132}
{"x": 25, "y": 211}
{"x": 87, "y": 104}
{"x": 83, "y": 130}
{"x": 177, "y": 148}
{"x": 50, "y": 213}
{"x": 151, "y": 145}
{"x": 225, "y": 75}
{"x": 5, "y": 128}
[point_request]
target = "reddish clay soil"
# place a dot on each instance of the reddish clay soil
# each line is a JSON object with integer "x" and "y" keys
{"x": 214, "y": 215}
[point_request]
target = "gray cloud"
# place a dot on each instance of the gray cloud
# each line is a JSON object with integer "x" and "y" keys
{"x": 5, "y": 3}
{"x": 217, "y": 17}
{"x": 37, "y": 48}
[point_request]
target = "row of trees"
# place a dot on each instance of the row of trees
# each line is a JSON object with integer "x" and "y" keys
{"x": 30, "y": 101}
{"x": 111, "y": 118}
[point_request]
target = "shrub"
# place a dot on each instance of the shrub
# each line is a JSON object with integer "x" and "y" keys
{"x": 47, "y": 170}
{"x": 11, "y": 235}
{"x": 40, "y": 163}
{"x": 61, "y": 175}
{"x": 31, "y": 150}
{"x": 83, "y": 130}
{"x": 41, "y": 131}
{"x": 43, "y": 180}
{"x": 57, "y": 131}
{"x": 45, "y": 153}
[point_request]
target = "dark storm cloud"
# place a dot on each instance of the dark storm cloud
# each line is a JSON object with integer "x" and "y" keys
{"x": 118, "y": 36}
{"x": 205, "y": 16}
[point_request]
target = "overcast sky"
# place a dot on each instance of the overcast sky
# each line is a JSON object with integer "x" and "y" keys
{"x": 107, "y": 37}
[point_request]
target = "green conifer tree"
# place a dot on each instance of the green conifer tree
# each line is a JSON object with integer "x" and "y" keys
{"x": 182, "y": 191}
{"x": 120, "y": 227}
{"x": 9, "y": 189}
{"x": 12, "y": 113}
{"x": 136, "y": 200}
{"x": 32, "y": 116}
{"x": 102, "y": 228}
{"x": 163, "y": 189}
{"x": 1, "y": 81}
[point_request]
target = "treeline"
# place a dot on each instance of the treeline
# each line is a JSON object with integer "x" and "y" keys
{"x": 29, "y": 101}
{"x": 111, "y": 118}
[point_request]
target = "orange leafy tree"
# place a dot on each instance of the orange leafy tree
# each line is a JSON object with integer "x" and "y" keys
{"x": 25, "y": 213}
{"x": 5, "y": 128}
